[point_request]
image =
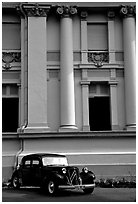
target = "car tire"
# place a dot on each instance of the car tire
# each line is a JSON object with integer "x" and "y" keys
{"x": 51, "y": 187}
{"x": 88, "y": 190}
{"x": 15, "y": 182}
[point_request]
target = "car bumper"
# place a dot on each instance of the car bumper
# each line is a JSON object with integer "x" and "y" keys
{"x": 82, "y": 186}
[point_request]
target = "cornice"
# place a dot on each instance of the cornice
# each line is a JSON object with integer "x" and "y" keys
{"x": 66, "y": 11}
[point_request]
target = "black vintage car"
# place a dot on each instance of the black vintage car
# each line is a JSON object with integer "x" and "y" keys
{"x": 51, "y": 172}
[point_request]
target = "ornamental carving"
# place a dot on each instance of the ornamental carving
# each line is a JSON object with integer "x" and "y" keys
{"x": 98, "y": 58}
{"x": 35, "y": 10}
{"x": 84, "y": 15}
{"x": 128, "y": 10}
{"x": 66, "y": 11}
{"x": 111, "y": 14}
{"x": 9, "y": 57}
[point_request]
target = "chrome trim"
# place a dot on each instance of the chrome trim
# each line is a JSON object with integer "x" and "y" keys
{"x": 76, "y": 186}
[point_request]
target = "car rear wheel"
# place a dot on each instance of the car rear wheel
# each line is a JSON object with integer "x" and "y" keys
{"x": 88, "y": 190}
{"x": 51, "y": 187}
{"x": 15, "y": 182}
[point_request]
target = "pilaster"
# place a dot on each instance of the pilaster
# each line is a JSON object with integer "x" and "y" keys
{"x": 85, "y": 105}
{"x": 113, "y": 102}
{"x": 111, "y": 37}
{"x": 37, "y": 67}
{"x": 84, "y": 48}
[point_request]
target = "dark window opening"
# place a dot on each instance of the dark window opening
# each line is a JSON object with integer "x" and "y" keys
{"x": 10, "y": 114}
{"x": 99, "y": 113}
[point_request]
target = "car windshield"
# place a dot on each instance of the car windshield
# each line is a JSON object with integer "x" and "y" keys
{"x": 55, "y": 161}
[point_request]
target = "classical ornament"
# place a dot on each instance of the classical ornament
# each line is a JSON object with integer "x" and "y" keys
{"x": 9, "y": 57}
{"x": 84, "y": 15}
{"x": 66, "y": 11}
{"x": 35, "y": 10}
{"x": 111, "y": 14}
{"x": 128, "y": 10}
{"x": 98, "y": 58}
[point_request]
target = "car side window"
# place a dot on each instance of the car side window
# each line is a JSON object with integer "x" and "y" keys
{"x": 35, "y": 163}
{"x": 27, "y": 164}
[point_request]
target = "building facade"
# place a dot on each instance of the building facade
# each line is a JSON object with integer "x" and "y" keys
{"x": 69, "y": 84}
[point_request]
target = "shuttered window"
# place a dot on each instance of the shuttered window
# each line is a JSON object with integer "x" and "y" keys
{"x": 11, "y": 36}
{"x": 97, "y": 36}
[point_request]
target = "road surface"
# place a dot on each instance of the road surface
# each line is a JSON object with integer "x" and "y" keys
{"x": 99, "y": 195}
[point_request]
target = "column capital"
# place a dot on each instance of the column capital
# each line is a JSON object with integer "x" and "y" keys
{"x": 128, "y": 10}
{"x": 84, "y": 15}
{"x": 66, "y": 11}
{"x": 85, "y": 83}
{"x": 33, "y": 10}
{"x": 113, "y": 83}
{"x": 111, "y": 15}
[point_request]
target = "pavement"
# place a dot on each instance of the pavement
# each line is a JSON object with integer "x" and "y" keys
{"x": 99, "y": 195}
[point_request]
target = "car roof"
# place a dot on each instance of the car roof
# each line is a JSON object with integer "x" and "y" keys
{"x": 43, "y": 155}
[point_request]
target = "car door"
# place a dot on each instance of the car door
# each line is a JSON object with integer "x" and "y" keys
{"x": 36, "y": 171}
{"x": 26, "y": 172}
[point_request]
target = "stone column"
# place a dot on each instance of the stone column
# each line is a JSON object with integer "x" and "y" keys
{"x": 67, "y": 95}
{"x": 37, "y": 64}
{"x": 128, "y": 13}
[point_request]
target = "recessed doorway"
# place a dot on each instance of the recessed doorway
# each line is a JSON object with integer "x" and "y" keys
{"x": 99, "y": 113}
{"x": 10, "y": 114}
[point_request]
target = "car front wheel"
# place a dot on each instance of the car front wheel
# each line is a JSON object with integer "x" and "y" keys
{"x": 51, "y": 187}
{"x": 15, "y": 182}
{"x": 88, "y": 190}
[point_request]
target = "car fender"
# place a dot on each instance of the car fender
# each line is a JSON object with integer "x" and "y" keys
{"x": 16, "y": 172}
{"x": 87, "y": 177}
{"x": 53, "y": 176}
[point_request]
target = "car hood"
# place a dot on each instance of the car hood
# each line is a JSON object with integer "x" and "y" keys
{"x": 60, "y": 167}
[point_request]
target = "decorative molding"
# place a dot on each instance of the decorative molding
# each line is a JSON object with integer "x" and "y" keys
{"x": 9, "y": 57}
{"x": 66, "y": 11}
{"x": 34, "y": 10}
{"x": 111, "y": 15}
{"x": 113, "y": 83}
{"x": 84, "y": 15}
{"x": 128, "y": 10}
{"x": 98, "y": 58}
{"x": 85, "y": 83}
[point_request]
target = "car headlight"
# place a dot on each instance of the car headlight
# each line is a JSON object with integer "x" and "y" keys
{"x": 64, "y": 170}
{"x": 85, "y": 170}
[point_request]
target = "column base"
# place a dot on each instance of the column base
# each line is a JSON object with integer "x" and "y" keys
{"x": 34, "y": 128}
{"x": 131, "y": 127}
{"x": 68, "y": 128}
